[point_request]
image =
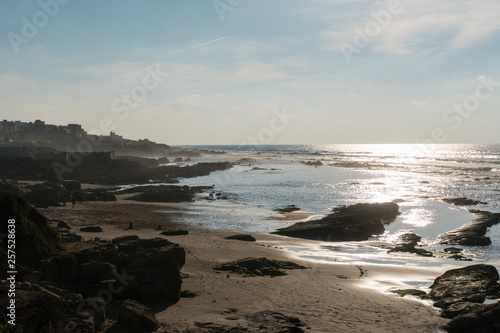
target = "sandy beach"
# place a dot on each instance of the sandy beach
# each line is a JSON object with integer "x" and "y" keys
{"x": 325, "y": 297}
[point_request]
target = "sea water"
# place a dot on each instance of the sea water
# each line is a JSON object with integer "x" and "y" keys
{"x": 418, "y": 177}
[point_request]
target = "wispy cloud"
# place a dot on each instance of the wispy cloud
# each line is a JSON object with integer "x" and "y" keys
{"x": 424, "y": 26}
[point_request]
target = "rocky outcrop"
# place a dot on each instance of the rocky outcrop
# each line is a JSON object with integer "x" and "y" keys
{"x": 39, "y": 240}
{"x": 461, "y": 293}
{"x": 136, "y": 316}
{"x": 147, "y": 270}
{"x": 407, "y": 243}
{"x": 46, "y": 308}
{"x": 258, "y": 267}
{"x": 472, "y": 233}
{"x": 287, "y": 209}
{"x": 468, "y": 284}
{"x": 155, "y": 264}
{"x": 178, "y": 232}
{"x": 245, "y": 238}
{"x": 347, "y": 223}
{"x": 163, "y": 193}
{"x": 464, "y": 202}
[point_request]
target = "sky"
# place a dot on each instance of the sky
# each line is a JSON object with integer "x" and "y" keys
{"x": 193, "y": 72}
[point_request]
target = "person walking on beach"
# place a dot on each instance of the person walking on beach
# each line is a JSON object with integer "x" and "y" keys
{"x": 73, "y": 201}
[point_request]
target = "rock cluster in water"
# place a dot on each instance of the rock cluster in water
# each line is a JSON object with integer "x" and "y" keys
{"x": 472, "y": 233}
{"x": 347, "y": 223}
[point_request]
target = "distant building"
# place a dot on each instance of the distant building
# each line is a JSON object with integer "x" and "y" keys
{"x": 75, "y": 130}
{"x": 113, "y": 135}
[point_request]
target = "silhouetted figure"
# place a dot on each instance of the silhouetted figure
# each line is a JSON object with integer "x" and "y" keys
{"x": 73, "y": 202}
{"x": 129, "y": 226}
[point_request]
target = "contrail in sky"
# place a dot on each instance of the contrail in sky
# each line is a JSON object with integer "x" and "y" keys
{"x": 187, "y": 48}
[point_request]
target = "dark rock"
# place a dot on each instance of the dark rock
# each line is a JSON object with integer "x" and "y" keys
{"x": 63, "y": 225}
{"x": 347, "y": 223}
{"x": 132, "y": 245}
{"x": 174, "y": 232}
{"x": 472, "y": 233}
{"x": 95, "y": 308}
{"x": 155, "y": 265}
{"x": 71, "y": 237}
{"x": 136, "y": 316}
{"x": 459, "y": 308}
{"x": 163, "y": 160}
{"x": 187, "y": 294}
{"x": 246, "y": 238}
{"x": 287, "y": 209}
{"x": 453, "y": 250}
{"x": 410, "y": 292}
{"x": 464, "y": 322}
{"x": 123, "y": 239}
{"x": 178, "y": 159}
{"x": 258, "y": 267}
{"x": 407, "y": 243}
{"x": 468, "y": 284}
{"x": 163, "y": 193}
{"x": 91, "y": 229}
{"x": 39, "y": 240}
{"x": 46, "y": 308}
{"x": 459, "y": 257}
{"x": 464, "y": 202}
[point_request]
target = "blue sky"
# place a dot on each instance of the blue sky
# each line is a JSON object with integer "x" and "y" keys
{"x": 419, "y": 61}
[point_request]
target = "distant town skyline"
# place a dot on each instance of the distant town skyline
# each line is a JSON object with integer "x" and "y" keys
{"x": 256, "y": 72}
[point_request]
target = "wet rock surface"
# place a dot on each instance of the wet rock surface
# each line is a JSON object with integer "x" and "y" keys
{"x": 347, "y": 223}
{"x": 137, "y": 316}
{"x": 464, "y": 202}
{"x": 407, "y": 243}
{"x": 258, "y": 267}
{"x": 461, "y": 293}
{"x": 163, "y": 193}
{"x": 472, "y": 233}
{"x": 245, "y": 238}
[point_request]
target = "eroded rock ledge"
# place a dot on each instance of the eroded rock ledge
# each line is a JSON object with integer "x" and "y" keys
{"x": 347, "y": 223}
{"x": 472, "y": 233}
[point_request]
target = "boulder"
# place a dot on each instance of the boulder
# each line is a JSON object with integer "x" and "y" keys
{"x": 258, "y": 267}
{"x": 136, "y": 316}
{"x": 123, "y": 239}
{"x": 91, "y": 229}
{"x": 347, "y": 223}
{"x": 155, "y": 264}
{"x": 245, "y": 238}
{"x": 46, "y": 308}
{"x": 468, "y": 284}
{"x": 174, "y": 232}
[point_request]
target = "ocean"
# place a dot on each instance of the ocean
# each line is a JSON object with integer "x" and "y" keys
{"x": 418, "y": 177}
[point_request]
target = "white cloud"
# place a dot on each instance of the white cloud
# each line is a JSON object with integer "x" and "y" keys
{"x": 424, "y": 26}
